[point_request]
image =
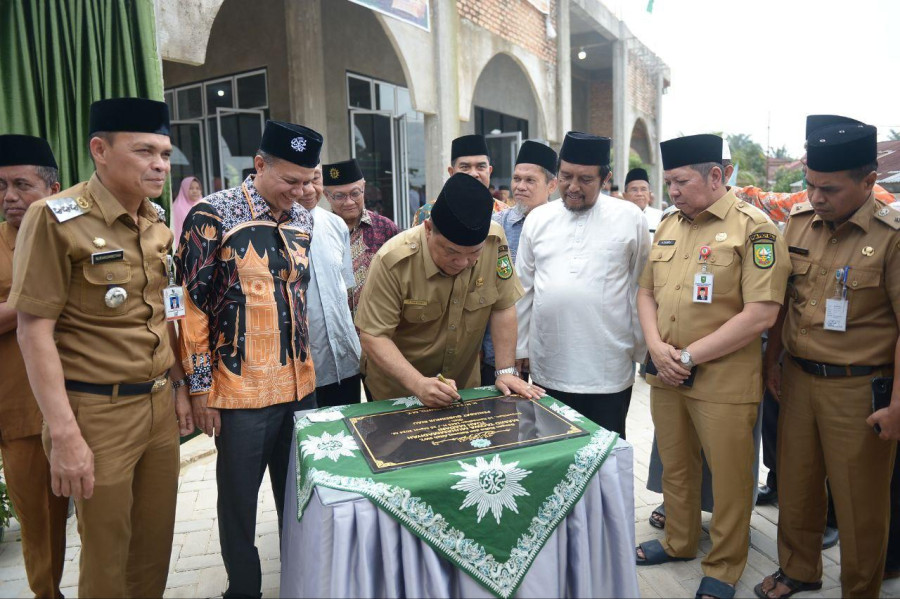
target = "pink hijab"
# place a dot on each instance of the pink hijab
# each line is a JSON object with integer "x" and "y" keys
{"x": 181, "y": 207}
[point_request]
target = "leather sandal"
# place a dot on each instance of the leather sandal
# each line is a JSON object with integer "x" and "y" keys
{"x": 794, "y": 586}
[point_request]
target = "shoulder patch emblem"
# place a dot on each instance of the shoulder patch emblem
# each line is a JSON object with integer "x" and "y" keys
{"x": 763, "y": 249}
{"x": 67, "y": 208}
{"x": 504, "y": 267}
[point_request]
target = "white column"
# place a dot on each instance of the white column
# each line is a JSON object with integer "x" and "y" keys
{"x": 656, "y": 177}
{"x": 621, "y": 138}
{"x": 442, "y": 126}
{"x": 306, "y": 66}
{"x": 563, "y": 72}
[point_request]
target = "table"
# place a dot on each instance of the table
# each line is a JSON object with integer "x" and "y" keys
{"x": 344, "y": 546}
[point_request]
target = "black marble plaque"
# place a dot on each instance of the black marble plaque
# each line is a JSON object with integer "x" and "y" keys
{"x": 417, "y": 436}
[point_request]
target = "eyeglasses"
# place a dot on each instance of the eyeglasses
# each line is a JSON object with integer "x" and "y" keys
{"x": 340, "y": 197}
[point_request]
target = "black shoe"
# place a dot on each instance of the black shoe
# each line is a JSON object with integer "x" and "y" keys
{"x": 831, "y": 538}
{"x": 767, "y": 495}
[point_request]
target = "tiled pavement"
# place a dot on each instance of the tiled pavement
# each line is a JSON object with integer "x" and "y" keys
{"x": 196, "y": 567}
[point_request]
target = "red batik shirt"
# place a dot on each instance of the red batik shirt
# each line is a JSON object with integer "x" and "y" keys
{"x": 366, "y": 239}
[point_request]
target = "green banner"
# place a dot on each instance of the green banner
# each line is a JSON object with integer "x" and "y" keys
{"x": 490, "y": 514}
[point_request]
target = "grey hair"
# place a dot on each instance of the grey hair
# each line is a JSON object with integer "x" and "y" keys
{"x": 705, "y": 168}
{"x": 48, "y": 174}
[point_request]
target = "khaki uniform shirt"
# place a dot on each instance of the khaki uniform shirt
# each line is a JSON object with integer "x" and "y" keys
{"x": 869, "y": 243}
{"x": 436, "y": 321}
{"x": 20, "y": 415}
{"x": 749, "y": 263}
{"x": 54, "y": 278}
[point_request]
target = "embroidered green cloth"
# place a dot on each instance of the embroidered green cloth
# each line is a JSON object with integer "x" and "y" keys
{"x": 490, "y": 514}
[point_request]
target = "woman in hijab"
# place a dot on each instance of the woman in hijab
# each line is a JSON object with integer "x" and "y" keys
{"x": 189, "y": 194}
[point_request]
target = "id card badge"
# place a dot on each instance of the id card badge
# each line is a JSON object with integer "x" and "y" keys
{"x": 836, "y": 314}
{"x": 703, "y": 288}
{"x": 173, "y": 299}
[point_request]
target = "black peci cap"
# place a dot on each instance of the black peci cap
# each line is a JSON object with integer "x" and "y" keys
{"x": 585, "y": 149}
{"x": 462, "y": 211}
{"x": 691, "y": 149}
{"x": 294, "y": 143}
{"x": 341, "y": 173}
{"x": 18, "y": 150}
{"x": 636, "y": 174}
{"x": 818, "y": 121}
{"x": 841, "y": 147}
{"x": 533, "y": 152}
{"x": 468, "y": 145}
{"x": 135, "y": 115}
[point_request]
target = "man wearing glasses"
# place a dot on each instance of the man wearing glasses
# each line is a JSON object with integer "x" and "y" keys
{"x": 345, "y": 189}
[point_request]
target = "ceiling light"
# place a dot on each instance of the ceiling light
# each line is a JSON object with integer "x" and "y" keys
{"x": 220, "y": 93}
{"x": 581, "y": 54}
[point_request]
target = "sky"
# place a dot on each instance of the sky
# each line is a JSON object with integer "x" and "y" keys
{"x": 760, "y": 66}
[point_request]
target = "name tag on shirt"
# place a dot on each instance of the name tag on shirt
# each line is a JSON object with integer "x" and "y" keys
{"x": 110, "y": 256}
{"x": 836, "y": 314}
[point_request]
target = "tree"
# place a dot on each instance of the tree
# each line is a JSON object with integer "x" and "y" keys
{"x": 784, "y": 177}
{"x": 780, "y": 153}
{"x": 894, "y": 135}
{"x": 749, "y": 155}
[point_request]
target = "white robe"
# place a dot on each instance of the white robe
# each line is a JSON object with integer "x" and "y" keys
{"x": 578, "y": 322}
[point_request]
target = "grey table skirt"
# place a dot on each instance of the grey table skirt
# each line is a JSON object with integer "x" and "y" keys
{"x": 344, "y": 546}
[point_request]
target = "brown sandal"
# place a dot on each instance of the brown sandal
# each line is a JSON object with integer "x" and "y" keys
{"x": 794, "y": 586}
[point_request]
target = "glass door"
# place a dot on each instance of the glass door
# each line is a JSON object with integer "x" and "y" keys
{"x": 503, "y": 149}
{"x": 373, "y": 144}
{"x": 188, "y": 153}
{"x": 235, "y": 136}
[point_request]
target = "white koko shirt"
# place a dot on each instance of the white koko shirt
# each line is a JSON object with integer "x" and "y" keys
{"x": 578, "y": 320}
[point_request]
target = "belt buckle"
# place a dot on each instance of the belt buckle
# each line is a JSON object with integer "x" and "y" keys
{"x": 823, "y": 370}
{"x": 158, "y": 384}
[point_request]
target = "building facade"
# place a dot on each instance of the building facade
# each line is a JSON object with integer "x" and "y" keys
{"x": 393, "y": 92}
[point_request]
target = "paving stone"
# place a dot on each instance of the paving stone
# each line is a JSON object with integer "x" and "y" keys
{"x": 198, "y": 562}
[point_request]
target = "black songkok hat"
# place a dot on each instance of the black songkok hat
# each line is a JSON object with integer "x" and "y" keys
{"x": 636, "y": 174}
{"x": 25, "y": 149}
{"x": 841, "y": 147}
{"x": 585, "y": 149}
{"x": 691, "y": 149}
{"x": 533, "y": 152}
{"x": 135, "y": 115}
{"x": 817, "y": 121}
{"x": 462, "y": 211}
{"x": 341, "y": 173}
{"x": 468, "y": 145}
{"x": 294, "y": 143}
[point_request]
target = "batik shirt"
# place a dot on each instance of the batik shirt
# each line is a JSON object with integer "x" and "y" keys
{"x": 778, "y": 205}
{"x": 245, "y": 339}
{"x": 365, "y": 241}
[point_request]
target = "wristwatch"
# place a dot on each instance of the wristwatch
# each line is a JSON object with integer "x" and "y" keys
{"x": 511, "y": 370}
{"x": 686, "y": 360}
{"x": 179, "y": 383}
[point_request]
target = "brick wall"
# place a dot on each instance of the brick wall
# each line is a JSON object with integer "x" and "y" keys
{"x": 641, "y": 86}
{"x": 516, "y": 21}
{"x": 600, "y": 106}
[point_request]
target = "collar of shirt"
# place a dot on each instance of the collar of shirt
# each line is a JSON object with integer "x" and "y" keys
{"x": 862, "y": 218}
{"x": 719, "y": 208}
{"x": 514, "y": 215}
{"x": 110, "y": 208}
{"x": 431, "y": 269}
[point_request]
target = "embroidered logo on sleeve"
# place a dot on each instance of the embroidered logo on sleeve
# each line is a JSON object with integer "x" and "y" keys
{"x": 763, "y": 249}
{"x": 504, "y": 267}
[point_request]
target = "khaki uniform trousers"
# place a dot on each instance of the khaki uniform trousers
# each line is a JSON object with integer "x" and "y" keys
{"x": 725, "y": 433}
{"x": 41, "y": 514}
{"x": 822, "y": 431}
{"x": 126, "y": 527}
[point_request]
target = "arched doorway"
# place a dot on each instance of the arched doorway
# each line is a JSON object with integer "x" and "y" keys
{"x": 505, "y": 111}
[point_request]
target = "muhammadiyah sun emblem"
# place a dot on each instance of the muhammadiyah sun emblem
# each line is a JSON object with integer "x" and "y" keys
{"x": 334, "y": 173}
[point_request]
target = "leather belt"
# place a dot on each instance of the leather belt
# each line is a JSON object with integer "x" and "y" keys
{"x": 834, "y": 370}
{"x": 123, "y": 388}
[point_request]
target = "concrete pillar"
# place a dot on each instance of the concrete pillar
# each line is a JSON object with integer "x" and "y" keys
{"x": 656, "y": 177}
{"x": 563, "y": 71}
{"x": 442, "y": 126}
{"x": 621, "y": 137}
{"x": 306, "y": 66}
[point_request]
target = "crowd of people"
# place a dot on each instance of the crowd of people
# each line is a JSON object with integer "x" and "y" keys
{"x": 260, "y": 302}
